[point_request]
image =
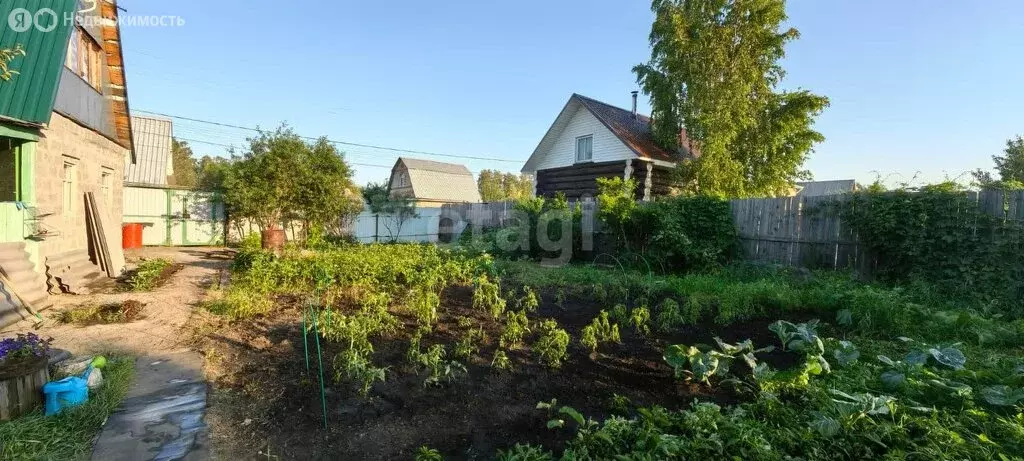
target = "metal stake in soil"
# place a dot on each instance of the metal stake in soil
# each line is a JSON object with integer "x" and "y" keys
{"x": 320, "y": 361}
{"x": 305, "y": 335}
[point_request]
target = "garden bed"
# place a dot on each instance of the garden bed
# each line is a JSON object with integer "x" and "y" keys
{"x": 262, "y": 378}
{"x": 880, "y": 375}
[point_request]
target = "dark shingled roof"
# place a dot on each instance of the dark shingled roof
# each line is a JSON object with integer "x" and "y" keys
{"x": 635, "y": 132}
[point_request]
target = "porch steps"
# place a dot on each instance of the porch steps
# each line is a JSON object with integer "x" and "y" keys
{"x": 31, "y": 285}
{"x": 71, "y": 272}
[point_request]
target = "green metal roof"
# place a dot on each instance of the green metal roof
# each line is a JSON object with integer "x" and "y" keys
{"x": 29, "y": 95}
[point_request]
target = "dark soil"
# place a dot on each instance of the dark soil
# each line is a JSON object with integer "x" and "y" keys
{"x": 264, "y": 401}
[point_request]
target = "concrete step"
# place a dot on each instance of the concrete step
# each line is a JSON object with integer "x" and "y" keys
{"x": 17, "y": 265}
{"x": 67, "y": 258}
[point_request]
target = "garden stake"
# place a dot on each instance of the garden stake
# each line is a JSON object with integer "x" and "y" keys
{"x": 305, "y": 336}
{"x": 320, "y": 360}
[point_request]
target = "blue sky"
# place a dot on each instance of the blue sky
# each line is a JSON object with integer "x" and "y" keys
{"x": 916, "y": 86}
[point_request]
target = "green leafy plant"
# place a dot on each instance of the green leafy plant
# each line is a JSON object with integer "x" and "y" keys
{"x": 552, "y": 343}
{"x": 439, "y": 370}
{"x": 521, "y": 452}
{"x": 640, "y": 318}
{"x": 529, "y": 301}
{"x": 355, "y": 366}
{"x": 557, "y": 420}
{"x": 469, "y": 343}
{"x": 487, "y": 297}
{"x": 620, "y": 314}
{"x": 692, "y": 363}
{"x": 669, "y": 316}
{"x": 1003, "y": 395}
{"x": 148, "y": 274}
{"x": 517, "y": 326}
{"x": 803, "y": 338}
{"x": 425, "y": 453}
{"x": 846, "y": 354}
{"x": 600, "y": 330}
{"x": 423, "y": 302}
{"x": 501, "y": 360}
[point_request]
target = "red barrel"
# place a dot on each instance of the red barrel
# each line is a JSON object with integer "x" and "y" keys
{"x": 131, "y": 235}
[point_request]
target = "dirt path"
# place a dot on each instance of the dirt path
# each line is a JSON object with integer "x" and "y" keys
{"x": 163, "y": 415}
{"x": 167, "y": 308}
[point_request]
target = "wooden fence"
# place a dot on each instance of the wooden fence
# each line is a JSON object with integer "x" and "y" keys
{"x": 784, "y": 231}
{"x": 772, "y": 230}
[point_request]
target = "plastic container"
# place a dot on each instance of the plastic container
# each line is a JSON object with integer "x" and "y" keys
{"x": 131, "y": 235}
{"x": 66, "y": 393}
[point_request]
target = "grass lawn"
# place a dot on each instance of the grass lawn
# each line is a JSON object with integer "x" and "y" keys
{"x": 70, "y": 434}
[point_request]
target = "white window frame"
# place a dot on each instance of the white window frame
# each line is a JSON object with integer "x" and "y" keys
{"x": 69, "y": 186}
{"x": 107, "y": 184}
{"x": 590, "y": 156}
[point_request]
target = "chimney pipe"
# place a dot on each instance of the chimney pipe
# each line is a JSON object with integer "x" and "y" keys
{"x": 634, "y": 104}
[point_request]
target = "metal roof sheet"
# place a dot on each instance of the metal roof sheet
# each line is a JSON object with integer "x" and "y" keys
{"x": 438, "y": 181}
{"x": 154, "y": 162}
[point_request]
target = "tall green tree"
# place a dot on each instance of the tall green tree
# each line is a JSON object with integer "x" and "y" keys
{"x": 496, "y": 186}
{"x": 211, "y": 172}
{"x": 282, "y": 178}
{"x": 184, "y": 164}
{"x": 714, "y": 69}
{"x": 1009, "y": 167}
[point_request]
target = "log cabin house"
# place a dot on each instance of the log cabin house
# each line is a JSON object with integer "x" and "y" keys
{"x": 591, "y": 139}
{"x": 64, "y": 132}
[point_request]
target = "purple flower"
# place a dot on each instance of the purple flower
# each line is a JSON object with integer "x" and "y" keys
{"x": 23, "y": 346}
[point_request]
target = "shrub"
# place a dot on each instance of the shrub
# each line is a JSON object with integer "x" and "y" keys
{"x": 552, "y": 344}
{"x": 685, "y": 233}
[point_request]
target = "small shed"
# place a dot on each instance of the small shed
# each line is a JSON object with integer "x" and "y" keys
{"x": 431, "y": 183}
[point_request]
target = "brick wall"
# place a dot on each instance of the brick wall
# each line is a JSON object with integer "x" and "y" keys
{"x": 92, "y": 154}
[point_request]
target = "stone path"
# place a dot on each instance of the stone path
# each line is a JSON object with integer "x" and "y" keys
{"x": 161, "y": 418}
